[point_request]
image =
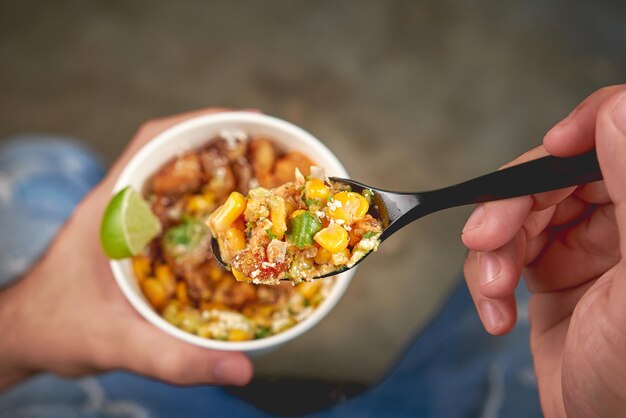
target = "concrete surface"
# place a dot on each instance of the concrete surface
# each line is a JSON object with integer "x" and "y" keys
{"x": 411, "y": 95}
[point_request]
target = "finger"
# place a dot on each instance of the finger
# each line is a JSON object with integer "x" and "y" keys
{"x": 499, "y": 271}
{"x": 151, "y": 352}
{"x": 611, "y": 146}
{"x": 595, "y": 193}
{"x": 576, "y": 133}
{"x": 498, "y": 315}
{"x": 611, "y": 132}
{"x": 576, "y": 254}
{"x": 492, "y": 224}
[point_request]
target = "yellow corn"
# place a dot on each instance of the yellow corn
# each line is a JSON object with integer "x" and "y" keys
{"x": 278, "y": 215}
{"x": 334, "y": 238}
{"x": 164, "y": 274}
{"x": 231, "y": 243}
{"x": 141, "y": 267}
{"x": 199, "y": 204}
{"x": 309, "y": 289}
{"x": 351, "y": 207}
{"x": 181, "y": 292}
{"x": 240, "y": 276}
{"x": 316, "y": 189}
{"x": 322, "y": 256}
{"x": 296, "y": 213}
{"x": 238, "y": 335}
{"x": 216, "y": 273}
{"x": 340, "y": 257}
{"x": 154, "y": 292}
{"x": 225, "y": 215}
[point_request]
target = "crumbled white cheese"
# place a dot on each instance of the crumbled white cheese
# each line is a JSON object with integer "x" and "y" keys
{"x": 233, "y": 136}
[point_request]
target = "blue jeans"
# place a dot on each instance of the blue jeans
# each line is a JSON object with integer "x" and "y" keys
{"x": 452, "y": 369}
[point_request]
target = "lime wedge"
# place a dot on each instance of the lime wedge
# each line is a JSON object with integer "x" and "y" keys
{"x": 128, "y": 225}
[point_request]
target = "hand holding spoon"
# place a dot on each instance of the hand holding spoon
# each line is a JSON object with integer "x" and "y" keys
{"x": 397, "y": 209}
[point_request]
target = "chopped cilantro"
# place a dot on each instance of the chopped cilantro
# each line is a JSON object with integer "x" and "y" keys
{"x": 269, "y": 234}
{"x": 329, "y": 197}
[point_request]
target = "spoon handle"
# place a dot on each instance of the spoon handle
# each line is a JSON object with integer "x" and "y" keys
{"x": 536, "y": 176}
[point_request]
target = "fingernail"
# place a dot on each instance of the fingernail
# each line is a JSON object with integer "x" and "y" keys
{"x": 490, "y": 267}
{"x": 619, "y": 114}
{"x": 492, "y": 317}
{"x": 475, "y": 219}
{"x": 224, "y": 372}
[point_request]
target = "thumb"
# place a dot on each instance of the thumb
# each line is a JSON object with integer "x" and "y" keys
{"x": 150, "y": 351}
{"x": 611, "y": 149}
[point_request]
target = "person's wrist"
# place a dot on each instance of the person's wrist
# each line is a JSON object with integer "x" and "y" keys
{"x": 13, "y": 366}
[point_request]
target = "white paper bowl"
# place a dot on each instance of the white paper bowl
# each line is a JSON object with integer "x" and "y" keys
{"x": 192, "y": 134}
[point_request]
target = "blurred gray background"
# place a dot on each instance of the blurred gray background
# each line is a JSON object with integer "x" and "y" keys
{"x": 411, "y": 95}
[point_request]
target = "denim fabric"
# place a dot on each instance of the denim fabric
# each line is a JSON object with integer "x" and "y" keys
{"x": 453, "y": 368}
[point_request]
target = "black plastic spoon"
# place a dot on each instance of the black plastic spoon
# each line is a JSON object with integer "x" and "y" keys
{"x": 398, "y": 209}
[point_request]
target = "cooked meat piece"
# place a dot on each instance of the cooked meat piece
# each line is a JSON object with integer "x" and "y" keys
{"x": 361, "y": 227}
{"x": 217, "y": 171}
{"x": 198, "y": 280}
{"x": 243, "y": 174}
{"x": 182, "y": 175}
{"x": 285, "y": 168}
{"x": 262, "y": 156}
{"x": 232, "y": 150}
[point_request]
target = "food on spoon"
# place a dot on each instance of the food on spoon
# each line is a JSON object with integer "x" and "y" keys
{"x": 172, "y": 259}
{"x": 297, "y": 231}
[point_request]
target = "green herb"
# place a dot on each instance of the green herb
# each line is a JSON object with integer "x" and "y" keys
{"x": 369, "y": 234}
{"x": 262, "y": 332}
{"x": 269, "y": 234}
{"x": 368, "y": 194}
{"x": 306, "y": 303}
{"x": 302, "y": 228}
{"x": 184, "y": 238}
{"x": 329, "y": 197}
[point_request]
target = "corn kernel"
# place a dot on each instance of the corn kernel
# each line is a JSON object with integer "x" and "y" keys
{"x": 164, "y": 274}
{"x": 316, "y": 189}
{"x": 240, "y": 276}
{"x": 232, "y": 242}
{"x": 216, "y": 273}
{"x": 199, "y": 204}
{"x": 296, "y": 213}
{"x": 278, "y": 215}
{"x": 154, "y": 292}
{"x": 309, "y": 289}
{"x": 238, "y": 335}
{"x": 225, "y": 215}
{"x": 340, "y": 257}
{"x": 322, "y": 256}
{"x": 348, "y": 206}
{"x": 334, "y": 238}
{"x": 141, "y": 267}
{"x": 181, "y": 292}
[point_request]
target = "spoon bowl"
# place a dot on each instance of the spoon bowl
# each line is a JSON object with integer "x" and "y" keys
{"x": 397, "y": 209}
